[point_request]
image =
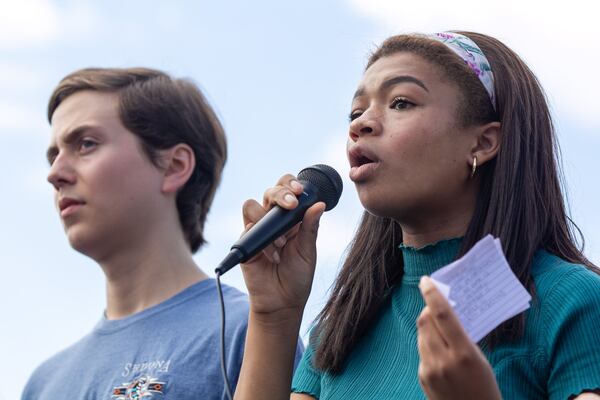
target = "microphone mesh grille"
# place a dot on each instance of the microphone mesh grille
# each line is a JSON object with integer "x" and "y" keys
{"x": 326, "y": 180}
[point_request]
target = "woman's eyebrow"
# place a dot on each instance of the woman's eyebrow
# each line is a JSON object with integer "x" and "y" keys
{"x": 402, "y": 79}
{"x": 391, "y": 82}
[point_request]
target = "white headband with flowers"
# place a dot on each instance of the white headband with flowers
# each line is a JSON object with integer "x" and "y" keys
{"x": 472, "y": 55}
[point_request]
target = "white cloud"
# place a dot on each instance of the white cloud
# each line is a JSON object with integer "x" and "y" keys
{"x": 27, "y": 22}
{"x": 20, "y": 77}
{"x": 16, "y": 118}
{"x": 80, "y": 22}
{"x": 557, "y": 39}
{"x": 35, "y": 184}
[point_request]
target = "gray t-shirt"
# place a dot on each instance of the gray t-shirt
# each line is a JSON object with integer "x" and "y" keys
{"x": 169, "y": 351}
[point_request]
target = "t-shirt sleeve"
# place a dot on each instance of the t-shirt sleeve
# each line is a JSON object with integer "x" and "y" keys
{"x": 307, "y": 379}
{"x": 299, "y": 353}
{"x": 235, "y": 356}
{"x": 235, "y": 336}
{"x": 572, "y": 315}
{"x": 30, "y": 392}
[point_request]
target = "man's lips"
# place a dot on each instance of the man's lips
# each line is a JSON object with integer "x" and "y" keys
{"x": 68, "y": 204}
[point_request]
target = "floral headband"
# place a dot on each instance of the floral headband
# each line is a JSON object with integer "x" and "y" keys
{"x": 472, "y": 56}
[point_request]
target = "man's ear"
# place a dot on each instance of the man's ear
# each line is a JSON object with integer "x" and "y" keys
{"x": 178, "y": 163}
{"x": 486, "y": 143}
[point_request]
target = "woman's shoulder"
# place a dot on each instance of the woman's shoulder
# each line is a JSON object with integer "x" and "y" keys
{"x": 563, "y": 289}
{"x": 564, "y": 319}
{"x": 553, "y": 274}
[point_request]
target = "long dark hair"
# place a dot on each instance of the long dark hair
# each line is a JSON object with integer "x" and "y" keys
{"x": 520, "y": 198}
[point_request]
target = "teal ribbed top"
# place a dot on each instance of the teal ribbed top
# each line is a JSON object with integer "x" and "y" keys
{"x": 558, "y": 356}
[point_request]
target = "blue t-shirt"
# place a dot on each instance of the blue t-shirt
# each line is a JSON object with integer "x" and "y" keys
{"x": 169, "y": 351}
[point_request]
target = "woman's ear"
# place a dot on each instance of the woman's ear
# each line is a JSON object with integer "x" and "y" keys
{"x": 179, "y": 163}
{"x": 487, "y": 142}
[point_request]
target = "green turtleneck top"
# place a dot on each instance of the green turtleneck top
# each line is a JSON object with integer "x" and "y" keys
{"x": 558, "y": 356}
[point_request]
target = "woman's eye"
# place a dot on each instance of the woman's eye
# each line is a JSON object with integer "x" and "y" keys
{"x": 353, "y": 115}
{"x": 401, "y": 103}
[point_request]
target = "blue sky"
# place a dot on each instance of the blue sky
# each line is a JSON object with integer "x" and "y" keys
{"x": 281, "y": 76}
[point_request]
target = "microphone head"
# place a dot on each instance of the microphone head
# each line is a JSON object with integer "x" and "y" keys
{"x": 327, "y": 181}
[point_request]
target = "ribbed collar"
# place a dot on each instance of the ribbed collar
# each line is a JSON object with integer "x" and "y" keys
{"x": 428, "y": 259}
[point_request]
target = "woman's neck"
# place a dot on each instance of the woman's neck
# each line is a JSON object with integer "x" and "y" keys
{"x": 436, "y": 226}
{"x": 422, "y": 237}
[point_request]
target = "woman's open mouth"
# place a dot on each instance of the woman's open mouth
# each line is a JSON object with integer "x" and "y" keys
{"x": 363, "y": 163}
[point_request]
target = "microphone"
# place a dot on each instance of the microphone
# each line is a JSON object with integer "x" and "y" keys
{"x": 320, "y": 182}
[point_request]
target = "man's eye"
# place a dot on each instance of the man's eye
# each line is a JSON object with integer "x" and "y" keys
{"x": 353, "y": 115}
{"x": 400, "y": 103}
{"x": 87, "y": 144}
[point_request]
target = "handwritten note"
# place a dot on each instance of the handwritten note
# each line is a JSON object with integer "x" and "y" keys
{"x": 482, "y": 288}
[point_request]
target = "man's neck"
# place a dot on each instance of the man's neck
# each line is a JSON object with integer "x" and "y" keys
{"x": 145, "y": 275}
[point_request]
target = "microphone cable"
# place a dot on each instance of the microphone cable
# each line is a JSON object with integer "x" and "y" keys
{"x": 223, "y": 361}
{"x": 326, "y": 186}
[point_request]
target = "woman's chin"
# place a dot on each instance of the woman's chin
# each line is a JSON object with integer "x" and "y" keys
{"x": 377, "y": 206}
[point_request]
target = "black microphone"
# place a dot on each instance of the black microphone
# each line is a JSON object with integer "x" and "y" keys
{"x": 320, "y": 182}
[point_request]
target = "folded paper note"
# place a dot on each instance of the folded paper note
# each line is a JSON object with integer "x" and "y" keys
{"x": 482, "y": 289}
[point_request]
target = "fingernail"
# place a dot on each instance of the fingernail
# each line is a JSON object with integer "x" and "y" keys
{"x": 289, "y": 198}
{"x": 280, "y": 241}
{"x": 320, "y": 215}
{"x": 424, "y": 282}
{"x": 276, "y": 258}
{"x": 296, "y": 185}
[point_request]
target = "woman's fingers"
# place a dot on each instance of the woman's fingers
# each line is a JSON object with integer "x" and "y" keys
{"x": 430, "y": 340}
{"x": 443, "y": 316}
{"x": 284, "y": 194}
{"x": 252, "y": 213}
{"x": 307, "y": 232}
{"x": 280, "y": 242}
{"x": 451, "y": 366}
{"x": 290, "y": 181}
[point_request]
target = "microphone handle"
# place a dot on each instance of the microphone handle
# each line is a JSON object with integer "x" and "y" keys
{"x": 274, "y": 224}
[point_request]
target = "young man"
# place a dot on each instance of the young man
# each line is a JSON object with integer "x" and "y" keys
{"x": 136, "y": 157}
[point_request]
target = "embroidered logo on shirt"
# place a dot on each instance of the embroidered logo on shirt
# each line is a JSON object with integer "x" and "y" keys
{"x": 143, "y": 387}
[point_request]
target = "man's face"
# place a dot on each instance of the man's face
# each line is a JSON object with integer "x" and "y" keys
{"x": 107, "y": 191}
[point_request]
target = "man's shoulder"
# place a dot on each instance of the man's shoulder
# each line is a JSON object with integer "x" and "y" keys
{"x": 52, "y": 368}
{"x": 180, "y": 330}
{"x": 203, "y": 303}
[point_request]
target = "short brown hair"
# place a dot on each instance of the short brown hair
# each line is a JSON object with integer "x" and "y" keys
{"x": 163, "y": 112}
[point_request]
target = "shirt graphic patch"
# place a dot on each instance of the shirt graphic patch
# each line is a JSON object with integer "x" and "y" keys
{"x": 143, "y": 387}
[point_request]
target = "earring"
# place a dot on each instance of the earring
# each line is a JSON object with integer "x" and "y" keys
{"x": 474, "y": 167}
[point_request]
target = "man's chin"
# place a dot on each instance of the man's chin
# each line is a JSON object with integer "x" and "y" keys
{"x": 81, "y": 241}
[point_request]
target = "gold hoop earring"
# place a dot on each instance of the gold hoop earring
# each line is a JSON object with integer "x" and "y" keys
{"x": 474, "y": 167}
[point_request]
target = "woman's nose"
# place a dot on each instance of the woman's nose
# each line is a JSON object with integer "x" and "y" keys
{"x": 368, "y": 123}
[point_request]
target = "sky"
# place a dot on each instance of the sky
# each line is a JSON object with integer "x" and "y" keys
{"x": 280, "y": 76}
